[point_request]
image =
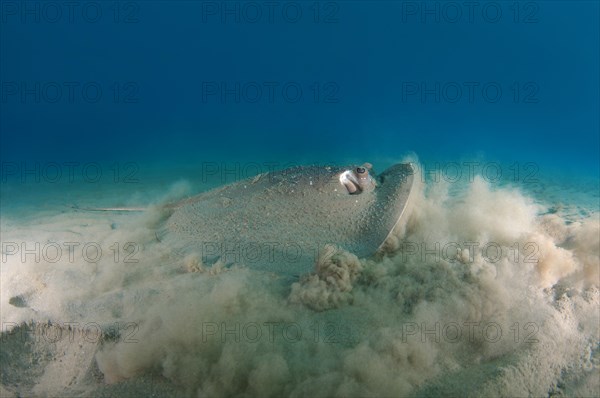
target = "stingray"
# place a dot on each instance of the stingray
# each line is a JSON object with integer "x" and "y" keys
{"x": 281, "y": 221}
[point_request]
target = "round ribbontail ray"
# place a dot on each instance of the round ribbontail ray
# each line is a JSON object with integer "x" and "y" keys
{"x": 279, "y": 221}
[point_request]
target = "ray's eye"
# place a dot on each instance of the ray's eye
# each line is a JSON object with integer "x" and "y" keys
{"x": 357, "y": 181}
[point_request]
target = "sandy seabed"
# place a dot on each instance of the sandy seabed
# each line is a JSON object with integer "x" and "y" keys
{"x": 488, "y": 291}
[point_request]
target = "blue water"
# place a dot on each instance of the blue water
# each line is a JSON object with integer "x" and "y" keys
{"x": 377, "y": 80}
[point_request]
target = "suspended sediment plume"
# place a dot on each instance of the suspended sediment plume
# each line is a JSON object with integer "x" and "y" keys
{"x": 483, "y": 292}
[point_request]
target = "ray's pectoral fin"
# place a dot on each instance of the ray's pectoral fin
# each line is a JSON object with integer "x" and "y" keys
{"x": 396, "y": 198}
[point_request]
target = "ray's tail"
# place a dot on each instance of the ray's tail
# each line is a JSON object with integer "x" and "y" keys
{"x": 110, "y": 209}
